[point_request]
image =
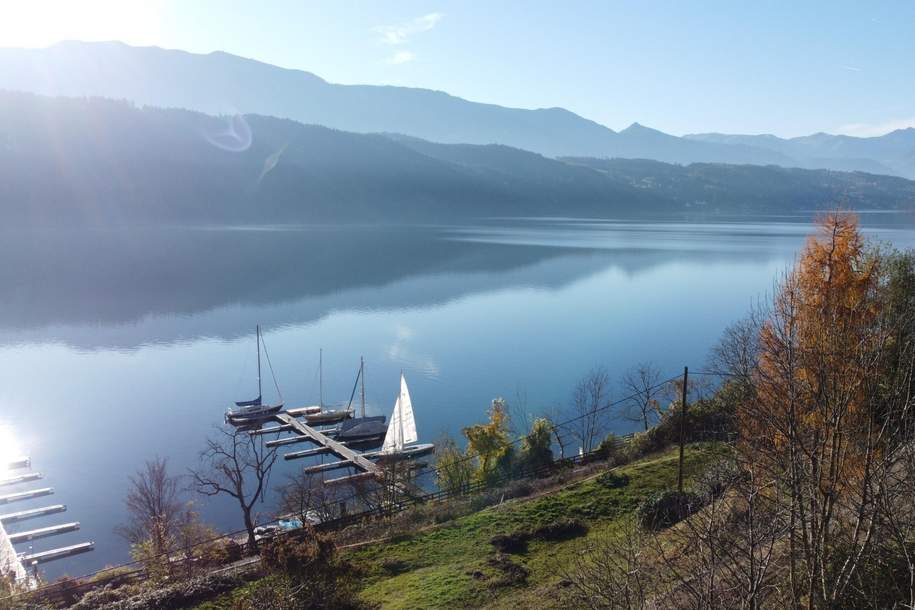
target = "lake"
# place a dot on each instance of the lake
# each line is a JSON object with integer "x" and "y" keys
{"x": 118, "y": 346}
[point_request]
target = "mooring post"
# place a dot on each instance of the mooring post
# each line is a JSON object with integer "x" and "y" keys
{"x": 682, "y": 430}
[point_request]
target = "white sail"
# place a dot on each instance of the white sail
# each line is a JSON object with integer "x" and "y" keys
{"x": 402, "y": 427}
{"x": 408, "y": 430}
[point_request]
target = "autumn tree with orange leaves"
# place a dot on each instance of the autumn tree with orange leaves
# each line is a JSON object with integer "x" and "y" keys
{"x": 821, "y": 419}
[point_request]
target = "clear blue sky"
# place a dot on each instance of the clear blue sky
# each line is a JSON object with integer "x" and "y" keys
{"x": 788, "y": 68}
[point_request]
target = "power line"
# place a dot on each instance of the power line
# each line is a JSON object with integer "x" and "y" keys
{"x": 336, "y": 502}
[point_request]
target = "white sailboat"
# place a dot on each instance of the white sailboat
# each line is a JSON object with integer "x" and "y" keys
{"x": 402, "y": 427}
{"x": 253, "y": 411}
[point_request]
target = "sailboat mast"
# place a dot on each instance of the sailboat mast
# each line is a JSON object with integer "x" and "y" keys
{"x": 321, "y": 377}
{"x": 259, "y": 393}
{"x": 362, "y": 381}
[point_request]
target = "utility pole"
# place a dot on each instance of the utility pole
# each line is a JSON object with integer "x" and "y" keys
{"x": 362, "y": 380}
{"x": 682, "y": 430}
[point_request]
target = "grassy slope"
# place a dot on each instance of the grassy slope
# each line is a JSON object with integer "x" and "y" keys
{"x": 440, "y": 562}
{"x": 437, "y": 564}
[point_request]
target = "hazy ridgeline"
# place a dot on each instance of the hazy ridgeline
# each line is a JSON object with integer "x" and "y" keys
{"x": 219, "y": 82}
{"x": 66, "y": 162}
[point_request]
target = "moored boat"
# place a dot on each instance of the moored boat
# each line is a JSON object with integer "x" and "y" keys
{"x": 401, "y": 431}
{"x": 254, "y": 411}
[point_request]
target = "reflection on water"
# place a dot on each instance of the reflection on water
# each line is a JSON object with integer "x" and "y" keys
{"x": 118, "y": 346}
{"x": 9, "y": 449}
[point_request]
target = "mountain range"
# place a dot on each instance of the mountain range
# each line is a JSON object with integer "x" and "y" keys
{"x": 221, "y": 83}
{"x": 100, "y": 162}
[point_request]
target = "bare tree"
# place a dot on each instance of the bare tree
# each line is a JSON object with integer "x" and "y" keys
{"x": 154, "y": 508}
{"x": 590, "y": 401}
{"x": 454, "y": 469}
{"x": 554, "y": 415}
{"x": 610, "y": 572}
{"x": 726, "y": 554}
{"x": 192, "y": 538}
{"x": 736, "y": 354}
{"x": 642, "y": 384}
{"x": 236, "y": 464}
{"x": 308, "y": 498}
{"x": 520, "y": 417}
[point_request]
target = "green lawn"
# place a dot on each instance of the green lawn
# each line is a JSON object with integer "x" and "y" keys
{"x": 437, "y": 567}
{"x": 448, "y": 566}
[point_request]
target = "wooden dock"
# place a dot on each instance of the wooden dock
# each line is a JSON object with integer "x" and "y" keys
{"x": 325, "y": 441}
{"x": 345, "y": 453}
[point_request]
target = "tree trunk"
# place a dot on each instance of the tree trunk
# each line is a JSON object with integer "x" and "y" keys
{"x": 249, "y": 526}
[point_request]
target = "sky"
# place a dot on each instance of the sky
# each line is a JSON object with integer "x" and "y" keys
{"x": 787, "y": 68}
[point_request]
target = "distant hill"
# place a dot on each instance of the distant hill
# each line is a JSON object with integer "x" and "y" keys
{"x": 720, "y": 188}
{"x": 219, "y": 83}
{"x": 893, "y": 153}
{"x": 66, "y": 161}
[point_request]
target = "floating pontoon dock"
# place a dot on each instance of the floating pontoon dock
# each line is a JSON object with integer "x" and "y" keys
{"x": 409, "y": 453}
{"x": 60, "y": 553}
{"x": 43, "y": 532}
{"x": 26, "y": 495}
{"x": 19, "y": 563}
{"x": 305, "y": 430}
{"x": 325, "y": 444}
{"x": 32, "y": 513}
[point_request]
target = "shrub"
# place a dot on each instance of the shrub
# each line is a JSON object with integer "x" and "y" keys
{"x": 720, "y": 476}
{"x": 666, "y": 508}
{"x": 97, "y": 598}
{"x": 612, "y": 449}
{"x": 482, "y": 500}
{"x": 518, "y": 489}
{"x": 563, "y": 529}
{"x": 181, "y": 595}
{"x": 446, "y": 515}
{"x": 454, "y": 470}
{"x": 219, "y": 552}
{"x": 66, "y": 590}
{"x": 308, "y": 562}
{"x": 637, "y": 446}
{"x": 112, "y": 576}
{"x": 514, "y": 543}
{"x": 401, "y": 535}
{"x": 490, "y": 445}
{"x": 395, "y": 566}
{"x": 512, "y": 573}
{"x": 613, "y": 480}
{"x": 536, "y": 449}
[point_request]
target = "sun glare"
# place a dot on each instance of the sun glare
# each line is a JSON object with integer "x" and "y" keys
{"x": 9, "y": 448}
{"x": 40, "y": 23}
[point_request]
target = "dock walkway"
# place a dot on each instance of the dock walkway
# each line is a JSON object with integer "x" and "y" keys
{"x": 342, "y": 451}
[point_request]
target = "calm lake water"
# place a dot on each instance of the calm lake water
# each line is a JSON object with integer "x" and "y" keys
{"x": 118, "y": 346}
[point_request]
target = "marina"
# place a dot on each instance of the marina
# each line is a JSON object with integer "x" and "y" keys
{"x": 19, "y": 563}
{"x": 199, "y": 339}
{"x": 343, "y": 439}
